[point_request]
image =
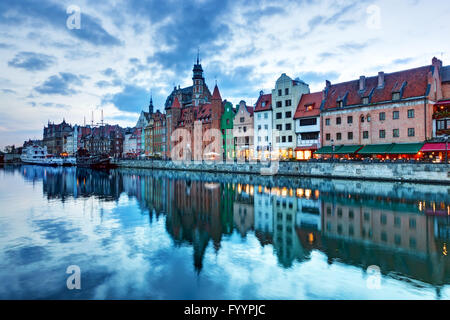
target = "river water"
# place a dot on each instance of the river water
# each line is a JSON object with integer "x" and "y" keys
{"x": 143, "y": 234}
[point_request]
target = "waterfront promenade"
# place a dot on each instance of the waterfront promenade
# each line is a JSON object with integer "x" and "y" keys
{"x": 403, "y": 172}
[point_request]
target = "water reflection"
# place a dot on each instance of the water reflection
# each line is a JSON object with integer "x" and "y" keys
{"x": 402, "y": 228}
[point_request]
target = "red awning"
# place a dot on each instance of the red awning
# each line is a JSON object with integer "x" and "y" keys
{"x": 303, "y": 148}
{"x": 430, "y": 147}
{"x": 443, "y": 103}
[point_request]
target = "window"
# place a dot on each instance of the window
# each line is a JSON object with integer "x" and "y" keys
{"x": 338, "y": 120}
{"x": 362, "y": 119}
{"x": 309, "y": 122}
{"x": 365, "y": 100}
{"x": 350, "y": 119}
{"x": 228, "y": 121}
{"x": 288, "y": 114}
{"x": 280, "y": 92}
{"x": 259, "y": 127}
{"x": 341, "y": 104}
{"x": 382, "y": 116}
{"x": 395, "y": 115}
{"x": 382, "y": 134}
{"x": 289, "y": 138}
{"x": 310, "y": 136}
{"x": 278, "y": 104}
{"x": 365, "y": 134}
{"x": 350, "y": 135}
{"x": 338, "y": 136}
{"x": 242, "y": 119}
{"x": 283, "y": 139}
{"x": 286, "y": 91}
{"x": 328, "y": 137}
{"x": 396, "y": 96}
{"x": 279, "y": 127}
{"x": 263, "y": 104}
{"x": 245, "y": 129}
{"x": 411, "y": 132}
{"x": 396, "y": 133}
{"x": 411, "y": 113}
{"x": 368, "y": 118}
{"x": 259, "y": 115}
{"x": 327, "y": 121}
{"x": 266, "y": 127}
{"x": 279, "y": 115}
{"x": 266, "y": 115}
{"x": 288, "y": 103}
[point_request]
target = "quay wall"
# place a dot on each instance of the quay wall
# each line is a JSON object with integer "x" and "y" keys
{"x": 403, "y": 172}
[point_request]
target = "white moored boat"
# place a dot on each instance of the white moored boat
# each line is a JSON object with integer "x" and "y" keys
{"x": 38, "y": 155}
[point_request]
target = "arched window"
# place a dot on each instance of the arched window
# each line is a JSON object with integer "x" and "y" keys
{"x": 368, "y": 118}
{"x": 362, "y": 119}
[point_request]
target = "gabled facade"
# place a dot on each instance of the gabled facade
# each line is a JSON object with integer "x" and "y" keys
{"x": 195, "y": 110}
{"x": 263, "y": 126}
{"x": 307, "y": 125}
{"x": 385, "y": 109}
{"x": 243, "y": 131}
{"x": 285, "y": 97}
{"x": 226, "y": 126}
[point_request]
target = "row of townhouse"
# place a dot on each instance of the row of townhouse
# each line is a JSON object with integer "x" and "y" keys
{"x": 390, "y": 113}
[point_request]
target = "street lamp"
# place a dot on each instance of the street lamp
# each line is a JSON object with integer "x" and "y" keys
{"x": 333, "y": 148}
{"x": 446, "y": 149}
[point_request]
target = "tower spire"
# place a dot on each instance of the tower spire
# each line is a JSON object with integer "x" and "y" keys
{"x": 198, "y": 55}
{"x": 150, "y": 107}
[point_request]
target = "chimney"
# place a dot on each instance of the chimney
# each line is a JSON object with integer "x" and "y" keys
{"x": 362, "y": 83}
{"x": 325, "y": 90}
{"x": 380, "y": 79}
{"x": 261, "y": 93}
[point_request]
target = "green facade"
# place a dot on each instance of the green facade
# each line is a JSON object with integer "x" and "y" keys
{"x": 226, "y": 126}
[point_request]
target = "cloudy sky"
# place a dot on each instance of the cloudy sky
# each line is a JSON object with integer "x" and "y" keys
{"x": 125, "y": 49}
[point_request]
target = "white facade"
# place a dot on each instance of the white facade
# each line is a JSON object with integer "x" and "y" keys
{"x": 263, "y": 131}
{"x": 129, "y": 143}
{"x": 71, "y": 142}
{"x": 308, "y": 131}
{"x": 285, "y": 98}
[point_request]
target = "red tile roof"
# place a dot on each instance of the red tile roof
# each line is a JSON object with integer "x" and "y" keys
{"x": 267, "y": 98}
{"x": 415, "y": 81}
{"x": 311, "y": 99}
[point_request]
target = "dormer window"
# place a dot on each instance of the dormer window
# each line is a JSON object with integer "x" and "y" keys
{"x": 309, "y": 107}
{"x": 365, "y": 100}
{"x": 396, "y": 96}
{"x": 340, "y": 104}
{"x": 263, "y": 104}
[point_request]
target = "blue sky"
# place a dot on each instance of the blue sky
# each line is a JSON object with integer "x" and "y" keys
{"x": 126, "y": 49}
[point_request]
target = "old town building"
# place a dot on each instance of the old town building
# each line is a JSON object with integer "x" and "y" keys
{"x": 226, "y": 125}
{"x": 243, "y": 131}
{"x": 130, "y": 143}
{"x": 55, "y": 136}
{"x": 285, "y": 98}
{"x": 307, "y": 125}
{"x": 263, "y": 126}
{"x": 105, "y": 139}
{"x": 388, "y": 114}
{"x": 142, "y": 122}
{"x": 155, "y": 135}
{"x": 194, "y": 110}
